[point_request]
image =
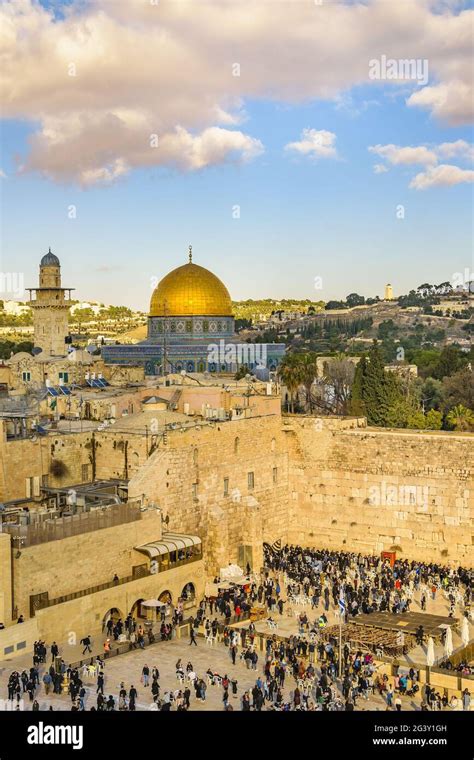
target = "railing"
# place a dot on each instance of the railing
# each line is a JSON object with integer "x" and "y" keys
{"x": 39, "y": 604}
{"x": 74, "y": 525}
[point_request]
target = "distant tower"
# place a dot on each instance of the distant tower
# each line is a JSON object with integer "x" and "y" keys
{"x": 388, "y": 293}
{"x": 50, "y": 308}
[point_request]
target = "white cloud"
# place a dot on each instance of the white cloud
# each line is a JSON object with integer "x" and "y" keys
{"x": 142, "y": 69}
{"x": 315, "y": 143}
{"x": 2, "y": 174}
{"x": 396, "y": 155}
{"x": 459, "y": 148}
{"x": 449, "y": 101}
{"x": 436, "y": 174}
{"x": 444, "y": 175}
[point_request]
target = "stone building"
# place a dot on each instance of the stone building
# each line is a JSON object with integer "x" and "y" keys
{"x": 50, "y": 307}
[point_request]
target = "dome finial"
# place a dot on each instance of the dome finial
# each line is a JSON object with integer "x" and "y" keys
{"x": 190, "y": 253}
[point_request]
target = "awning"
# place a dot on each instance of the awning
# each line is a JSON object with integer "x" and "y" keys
{"x": 169, "y": 542}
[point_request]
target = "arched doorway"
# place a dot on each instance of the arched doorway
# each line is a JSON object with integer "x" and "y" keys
{"x": 113, "y": 614}
{"x": 138, "y": 611}
{"x": 188, "y": 594}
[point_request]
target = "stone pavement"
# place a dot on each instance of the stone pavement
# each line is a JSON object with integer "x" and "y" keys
{"x": 127, "y": 667}
{"x": 164, "y": 655}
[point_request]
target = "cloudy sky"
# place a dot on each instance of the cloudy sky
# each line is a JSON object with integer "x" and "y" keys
{"x": 289, "y": 141}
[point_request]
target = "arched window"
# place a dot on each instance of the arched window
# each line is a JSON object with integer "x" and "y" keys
{"x": 236, "y": 445}
{"x": 195, "y": 456}
{"x": 273, "y": 444}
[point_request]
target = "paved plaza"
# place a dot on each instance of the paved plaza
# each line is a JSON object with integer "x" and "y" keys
{"x": 127, "y": 668}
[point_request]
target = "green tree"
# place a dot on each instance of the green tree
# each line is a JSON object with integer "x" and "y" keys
{"x": 460, "y": 418}
{"x": 459, "y": 389}
{"x": 450, "y": 361}
{"x": 434, "y": 420}
{"x": 354, "y": 299}
{"x": 289, "y": 372}
{"x": 378, "y": 392}
{"x": 356, "y": 401}
{"x": 307, "y": 374}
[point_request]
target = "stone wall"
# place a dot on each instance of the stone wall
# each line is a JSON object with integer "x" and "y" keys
{"x": 86, "y": 614}
{"x": 186, "y": 478}
{"x": 83, "y": 561}
{"x": 378, "y": 490}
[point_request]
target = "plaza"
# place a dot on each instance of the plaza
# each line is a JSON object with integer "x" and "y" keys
{"x": 212, "y": 660}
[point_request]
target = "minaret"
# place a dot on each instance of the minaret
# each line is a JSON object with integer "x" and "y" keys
{"x": 50, "y": 308}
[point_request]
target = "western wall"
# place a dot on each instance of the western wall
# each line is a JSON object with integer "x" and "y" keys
{"x": 318, "y": 482}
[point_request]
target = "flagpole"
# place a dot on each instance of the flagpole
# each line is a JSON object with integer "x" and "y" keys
{"x": 341, "y": 612}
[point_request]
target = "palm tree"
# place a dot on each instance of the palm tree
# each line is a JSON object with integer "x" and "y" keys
{"x": 461, "y": 418}
{"x": 308, "y": 371}
{"x": 289, "y": 373}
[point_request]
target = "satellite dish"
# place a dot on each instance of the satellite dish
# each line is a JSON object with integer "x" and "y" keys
{"x": 36, "y": 350}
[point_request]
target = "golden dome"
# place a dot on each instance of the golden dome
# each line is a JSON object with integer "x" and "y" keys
{"x": 190, "y": 290}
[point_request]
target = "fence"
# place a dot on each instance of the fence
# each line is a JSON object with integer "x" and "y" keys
{"x": 42, "y": 602}
{"x": 65, "y": 527}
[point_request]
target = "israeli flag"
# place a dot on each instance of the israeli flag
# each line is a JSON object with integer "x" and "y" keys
{"x": 342, "y": 603}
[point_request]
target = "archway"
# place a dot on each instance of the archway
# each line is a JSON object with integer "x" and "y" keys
{"x": 188, "y": 594}
{"x": 113, "y": 614}
{"x": 165, "y": 597}
{"x": 138, "y": 611}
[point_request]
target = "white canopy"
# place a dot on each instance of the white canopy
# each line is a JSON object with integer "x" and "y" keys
{"x": 169, "y": 542}
{"x": 430, "y": 653}
{"x": 231, "y": 573}
{"x": 448, "y": 642}
{"x": 153, "y": 603}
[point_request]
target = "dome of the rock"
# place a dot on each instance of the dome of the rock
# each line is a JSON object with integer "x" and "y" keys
{"x": 190, "y": 290}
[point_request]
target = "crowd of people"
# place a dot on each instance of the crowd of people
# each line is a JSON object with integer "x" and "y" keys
{"x": 304, "y": 671}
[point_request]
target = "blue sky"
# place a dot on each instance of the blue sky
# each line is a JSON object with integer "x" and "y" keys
{"x": 301, "y": 215}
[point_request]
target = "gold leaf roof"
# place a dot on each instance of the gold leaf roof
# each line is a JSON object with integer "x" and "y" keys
{"x": 190, "y": 290}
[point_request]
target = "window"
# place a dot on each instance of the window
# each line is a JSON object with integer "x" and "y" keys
{"x": 33, "y": 487}
{"x": 85, "y": 473}
{"x": 189, "y": 326}
{"x": 205, "y": 326}
{"x": 64, "y": 376}
{"x": 26, "y": 377}
{"x": 195, "y": 491}
{"x": 250, "y": 480}
{"x": 226, "y": 486}
{"x": 236, "y": 446}
{"x": 275, "y": 474}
